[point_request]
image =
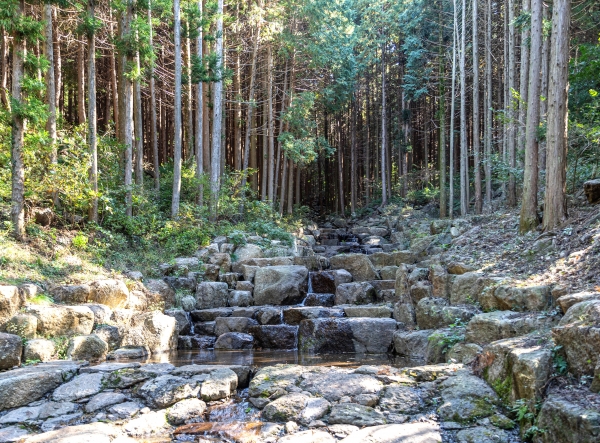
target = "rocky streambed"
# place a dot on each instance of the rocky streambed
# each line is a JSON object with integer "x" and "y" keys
{"x": 158, "y": 402}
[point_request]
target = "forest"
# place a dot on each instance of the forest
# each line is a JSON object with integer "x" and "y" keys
{"x": 165, "y": 121}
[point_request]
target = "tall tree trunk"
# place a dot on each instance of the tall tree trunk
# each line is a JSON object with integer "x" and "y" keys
{"x": 57, "y": 63}
{"x": 353, "y": 162}
{"x": 189, "y": 129}
{"x": 237, "y": 118}
{"x": 340, "y": 158}
{"x": 290, "y": 188}
{"x": 488, "y": 108}
{"x": 512, "y": 115}
{"x": 4, "y": 69}
{"x": 198, "y": 140}
{"x": 524, "y": 80}
{"x": 464, "y": 149}
{"x": 139, "y": 134}
{"x": 50, "y": 86}
{"x": 177, "y": 112}
{"x": 127, "y": 107}
{"x": 544, "y": 91}
{"x": 91, "y": 40}
{"x": 81, "y": 84}
{"x": 113, "y": 78}
{"x": 153, "y": 126}
{"x": 250, "y": 111}
{"x": 442, "y": 120}
{"x": 529, "y": 218}
{"x": 452, "y": 108}
{"x": 271, "y": 124}
{"x": 476, "y": 134}
{"x": 555, "y": 207}
{"x": 18, "y": 131}
{"x": 384, "y": 193}
{"x": 217, "y": 115}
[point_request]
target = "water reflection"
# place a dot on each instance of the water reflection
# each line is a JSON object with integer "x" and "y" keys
{"x": 267, "y": 358}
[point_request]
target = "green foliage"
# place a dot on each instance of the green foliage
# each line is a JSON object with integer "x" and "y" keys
{"x": 559, "y": 361}
{"x": 41, "y": 299}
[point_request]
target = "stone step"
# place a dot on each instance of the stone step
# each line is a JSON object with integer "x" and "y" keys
{"x": 368, "y": 311}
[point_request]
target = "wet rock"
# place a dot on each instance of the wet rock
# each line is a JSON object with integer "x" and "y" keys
{"x": 272, "y": 379}
{"x": 520, "y": 368}
{"x": 368, "y": 311}
{"x": 221, "y": 383}
{"x": 465, "y": 398}
{"x": 510, "y": 298}
{"x": 38, "y": 349}
{"x": 153, "y": 330}
{"x": 104, "y": 400}
{"x": 275, "y": 336}
{"x": 183, "y": 323}
{"x": 62, "y": 320}
{"x": 357, "y": 415}
{"x": 359, "y": 266}
{"x": 355, "y": 293}
{"x": 371, "y": 335}
{"x": 11, "y": 348}
{"x": 491, "y": 326}
{"x": 415, "y": 345}
{"x": 286, "y": 408}
{"x": 280, "y": 285}
{"x": 166, "y": 390}
{"x": 242, "y": 371}
{"x": 234, "y": 340}
{"x": 566, "y": 301}
{"x": 82, "y": 386}
{"x": 126, "y": 410}
{"x": 93, "y": 432}
{"x": 293, "y": 316}
{"x": 310, "y": 436}
{"x": 434, "y": 313}
{"x": 579, "y": 334}
{"x": 128, "y": 353}
{"x": 233, "y": 324}
{"x": 240, "y": 298}
{"x": 402, "y": 399}
{"x": 567, "y": 421}
{"x": 186, "y": 410}
{"x": 210, "y": 314}
{"x": 87, "y": 347}
{"x": 152, "y": 423}
{"x": 326, "y": 300}
{"x": 323, "y": 282}
{"x": 335, "y": 384}
{"x": 426, "y": 432}
{"x": 13, "y": 434}
{"x": 160, "y": 291}
{"x": 482, "y": 434}
{"x": 211, "y": 295}
{"x": 269, "y": 316}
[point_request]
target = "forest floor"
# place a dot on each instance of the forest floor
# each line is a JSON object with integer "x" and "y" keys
{"x": 569, "y": 257}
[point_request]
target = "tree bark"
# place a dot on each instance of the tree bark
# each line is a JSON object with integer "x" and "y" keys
{"x": 80, "y": 85}
{"x": 153, "y": 126}
{"x": 250, "y": 111}
{"x": 555, "y": 207}
{"x": 476, "y": 134}
{"x": 488, "y": 109}
{"x": 139, "y": 134}
{"x": 452, "y": 109}
{"x": 177, "y": 112}
{"x": 50, "y": 86}
{"x": 4, "y": 69}
{"x": 190, "y": 146}
{"x": 217, "y": 116}
{"x": 524, "y": 80}
{"x": 512, "y": 115}
{"x": 353, "y": 162}
{"x": 271, "y": 124}
{"x": 198, "y": 140}
{"x": 92, "y": 140}
{"x": 384, "y": 194}
{"x": 113, "y": 78}
{"x": 442, "y": 120}
{"x": 464, "y": 166}
{"x": 18, "y": 132}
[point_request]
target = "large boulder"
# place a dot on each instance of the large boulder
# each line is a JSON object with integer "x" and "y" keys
{"x": 568, "y": 420}
{"x": 568, "y": 300}
{"x": 160, "y": 292}
{"x": 233, "y": 324}
{"x": 275, "y": 336}
{"x": 423, "y": 345}
{"x": 466, "y": 398}
{"x": 184, "y": 410}
{"x": 491, "y": 326}
{"x": 87, "y": 347}
{"x": 10, "y": 302}
{"x": 245, "y": 253}
{"x": 39, "y": 349}
{"x": 417, "y": 432}
{"x": 294, "y": 315}
{"x": 358, "y": 293}
{"x": 234, "y": 340}
{"x": 333, "y": 385}
{"x": 211, "y": 295}
{"x": 579, "y": 334}
{"x": 82, "y": 386}
{"x": 469, "y": 287}
{"x": 286, "y": 408}
{"x": 166, "y": 390}
{"x": 11, "y": 348}
{"x": 358, "y": 265}
{"x": 433, "y": 313}
{"x": 353, "y": 414}
{"x": 592, "y": 191}
{"x": 23, "y": 325}
{"x": 62, "y": 320}
{"x": 280, "y": 285}
{"x": 271, "y": 380}
{"x": 323, "y": 282}
{"x": 220, "y": 383}
{"x": 183, "y": 321}
{"x": 513, "y": 298}
{"x": 370, "y": 335}
{"x": 112, "y": 293}
{"x": 71, "y": 293}
{"x": 153, "y": 330}
{"x": 520, "y": 367}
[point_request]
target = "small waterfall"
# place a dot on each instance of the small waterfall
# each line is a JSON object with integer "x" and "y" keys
{"x": 309, "y": 290}
{"x": 189, "y": 319}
